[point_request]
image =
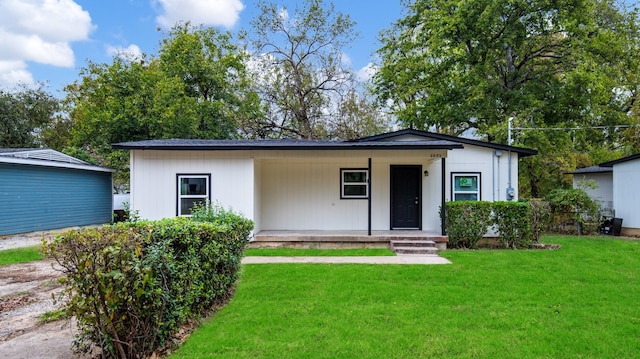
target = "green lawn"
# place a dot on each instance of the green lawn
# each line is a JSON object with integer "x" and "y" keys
{"x": 20, "y": 255}
{"x": 582, "y": 301}
{"x": 291, "y": 252}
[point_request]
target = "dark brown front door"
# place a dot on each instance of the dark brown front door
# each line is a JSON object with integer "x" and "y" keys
{"x": 406, "y": 197}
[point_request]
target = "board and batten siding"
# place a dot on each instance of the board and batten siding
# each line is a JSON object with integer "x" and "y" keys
{"x": 37, "y": 198}
{"x": 626, "y": 196}
{"x": 154, "y": 190}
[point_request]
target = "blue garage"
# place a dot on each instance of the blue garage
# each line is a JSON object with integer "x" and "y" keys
{"x": 42, "y": 189}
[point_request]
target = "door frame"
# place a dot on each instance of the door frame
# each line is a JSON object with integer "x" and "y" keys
{"x": 392, "y": 196}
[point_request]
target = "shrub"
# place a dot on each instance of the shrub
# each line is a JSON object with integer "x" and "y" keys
{"x": 132, "y": 285}
{"x": 573, "y": 206}
{"x": 513, "y": 223}
{"x": 540, "y": 216}
{"x": 467, "y": 222}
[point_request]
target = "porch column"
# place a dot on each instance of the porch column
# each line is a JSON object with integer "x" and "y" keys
{"x": 444, "y": 188}
{"x": 369, "y": 198}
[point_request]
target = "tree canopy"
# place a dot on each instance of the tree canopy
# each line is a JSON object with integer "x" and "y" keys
{"x": 24, "y": 114}
{"x": 195, "y": 88}
{"x": 465, "y": 67}
{"x": 307, "y": 89}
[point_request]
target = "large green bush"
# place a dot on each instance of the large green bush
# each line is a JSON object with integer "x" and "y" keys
{"x": 573, "y": 207}
{"x": 132, "y": 285}
{"x": 513, "y": 223}
{"x": 467, "y": 222}
{"x": 517, "y": 223}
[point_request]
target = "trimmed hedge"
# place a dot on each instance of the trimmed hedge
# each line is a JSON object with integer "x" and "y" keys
{"x": 467, "y": 222}
{"x": 132, "y": 285}
{"x": 517, "y": 223}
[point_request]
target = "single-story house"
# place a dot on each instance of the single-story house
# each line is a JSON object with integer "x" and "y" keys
{"x": 603, "y": 178}
{"x": 42, "y": 189}
{"x": 380, "y": 185}
{"x": 626, "y": 196}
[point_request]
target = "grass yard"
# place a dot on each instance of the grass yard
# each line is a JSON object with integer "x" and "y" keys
{"x": 20, "y": 255}
{"x": 582, "y": 301}
{"x": 291, "y": 252}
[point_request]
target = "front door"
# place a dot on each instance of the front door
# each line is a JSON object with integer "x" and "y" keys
{"x": 406, "y": 197}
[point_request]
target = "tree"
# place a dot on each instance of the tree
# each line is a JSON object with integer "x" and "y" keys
{"x": 300, "y": 73}
{"x": 196, "y": 88}
{"x": 24, "y": 114}
{"x": 467, "y": 66}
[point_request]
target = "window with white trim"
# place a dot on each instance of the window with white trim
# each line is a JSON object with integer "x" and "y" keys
{"x": 192, "y": 189}
{"x": 354, "y": 183}
{"x": 466, "y": 186}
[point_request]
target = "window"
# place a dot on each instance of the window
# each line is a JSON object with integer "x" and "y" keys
{"x": 466, "y": 186}
{"x": 192, "y": 189}
{"x": 354, "y": 183}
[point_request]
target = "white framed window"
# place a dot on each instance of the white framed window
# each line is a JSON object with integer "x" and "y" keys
{"x": 354, "y": 183}
{"x": 192, "y": 189}
{"x": 465, "y": 186}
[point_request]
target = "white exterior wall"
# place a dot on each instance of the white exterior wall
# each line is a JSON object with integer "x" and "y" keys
{"x": 300, "y": 190}
{"x": 604, "y": 193}
{"x": 494, "y": 171}
{"x": 154, "y": 180}
{"x": 626, "y": 196}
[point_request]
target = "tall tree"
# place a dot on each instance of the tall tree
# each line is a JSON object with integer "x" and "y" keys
{"x": 300, "y": 73}
{"x": 24, "y": 114}
{"x": 195, "y": 88}
{"x": 462, "y": 66}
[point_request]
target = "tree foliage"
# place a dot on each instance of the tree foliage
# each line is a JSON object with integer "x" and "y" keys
{"x": 195, "y": 88}
{"x": 301, "y": 77}
{"x": 24, "y": 114}
{"x": 467, "y": 66}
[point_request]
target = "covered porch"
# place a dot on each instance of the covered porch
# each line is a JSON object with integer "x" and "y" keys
{"x": 333, "y": 239}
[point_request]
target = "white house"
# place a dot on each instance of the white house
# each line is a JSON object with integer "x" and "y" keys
{"x": 603, "y": 178}
{"x": 626, "y": 196}
{"x": 380, "y": 185}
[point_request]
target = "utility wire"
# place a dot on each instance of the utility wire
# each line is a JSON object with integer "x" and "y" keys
{"x": 571, "y": 128}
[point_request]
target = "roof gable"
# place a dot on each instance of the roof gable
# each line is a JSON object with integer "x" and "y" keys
{"x": 45, "y": 157}
{"x": 412, "y": 134}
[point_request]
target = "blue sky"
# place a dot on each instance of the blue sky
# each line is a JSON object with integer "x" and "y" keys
{"x": 49, "y": 41}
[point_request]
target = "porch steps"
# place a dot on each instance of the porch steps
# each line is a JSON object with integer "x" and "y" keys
{"x": 414, "y": 247}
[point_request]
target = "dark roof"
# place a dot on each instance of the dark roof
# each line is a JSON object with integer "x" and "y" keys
{"x": 234, "y": 145}
{"x": 620, "y": 160}
{"x": 592, "y": 169}
{"x": 522, "y": 152}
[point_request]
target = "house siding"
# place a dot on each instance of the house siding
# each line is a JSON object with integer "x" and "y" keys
{"x": 603, "y": 194}
{"x": 154, "y": 187}
{"x": 625, "y": 193}
{"x": 300, "y": 190}
{"x": 36, "y": 198}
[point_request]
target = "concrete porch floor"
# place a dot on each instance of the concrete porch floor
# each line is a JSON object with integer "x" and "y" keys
{"x": 340, "y": 239}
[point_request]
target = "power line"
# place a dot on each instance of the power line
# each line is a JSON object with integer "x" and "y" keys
{"x": 572, "y": 128}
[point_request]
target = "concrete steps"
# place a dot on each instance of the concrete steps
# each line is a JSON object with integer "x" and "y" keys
{"x": 414, "y": 247}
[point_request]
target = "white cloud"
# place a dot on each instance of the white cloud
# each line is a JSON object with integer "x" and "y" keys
{"x": 131, "y": 52}
{"x": 207, "y": 12}
{"x": 13, "y": 73}
{"x": 367, "y": 72}
{"x": 39, "y": 31}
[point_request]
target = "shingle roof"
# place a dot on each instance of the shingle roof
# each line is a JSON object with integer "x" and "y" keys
{"x": 592, "y": 169}
{"x": 187, "y": 144}
{"x": 620, "y": 160}
{"x": 523, "y": 152}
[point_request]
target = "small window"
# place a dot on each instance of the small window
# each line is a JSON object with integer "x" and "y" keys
{"x": 466, "y": 186}
{"x": 354, "y": 183}
{"x": 192, "y": 189}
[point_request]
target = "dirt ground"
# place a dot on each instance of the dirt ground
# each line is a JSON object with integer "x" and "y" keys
{"x": 25, "y": 294}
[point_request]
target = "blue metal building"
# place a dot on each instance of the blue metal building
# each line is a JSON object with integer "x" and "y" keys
{"x": 42, "y": 189}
